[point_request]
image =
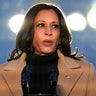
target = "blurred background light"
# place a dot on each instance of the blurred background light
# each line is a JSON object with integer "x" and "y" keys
{"x": 92, "y": 17}
{"x": 15, "y": 22}
{"x": 76, "y": 21}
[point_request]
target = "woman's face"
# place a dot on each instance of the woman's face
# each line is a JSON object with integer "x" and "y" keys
{"x": 46, "y": 32}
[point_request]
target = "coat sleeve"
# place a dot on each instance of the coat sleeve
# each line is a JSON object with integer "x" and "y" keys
{"x": 91, "y": 88}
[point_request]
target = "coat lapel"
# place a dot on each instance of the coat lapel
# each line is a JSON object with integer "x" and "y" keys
{"x": 12, "y": 79}
{"x": 69, "y": 74}
{"x": 4, "y": 89}
{"x": 12, "y": 75}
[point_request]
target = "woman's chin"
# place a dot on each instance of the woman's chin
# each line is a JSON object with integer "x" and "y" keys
{"x": 47, "y": 52}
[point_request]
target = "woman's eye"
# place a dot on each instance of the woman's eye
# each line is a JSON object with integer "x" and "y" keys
{"x": 41, "y": 25}
{"x": 55, "y": 25}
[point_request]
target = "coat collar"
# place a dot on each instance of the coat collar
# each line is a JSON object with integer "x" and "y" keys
{"x": 13, "y": 65}
{"x": 70, "y": 72}
{"x": 68, "y": 62}
{"x": 11, "y": 74}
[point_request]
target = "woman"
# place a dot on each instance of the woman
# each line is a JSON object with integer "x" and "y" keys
{"x": 42, "y": 63}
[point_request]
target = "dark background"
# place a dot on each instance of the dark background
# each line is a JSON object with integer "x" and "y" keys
{"x": 85, "y": 40}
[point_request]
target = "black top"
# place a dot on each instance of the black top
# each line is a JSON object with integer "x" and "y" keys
{"x": 43, "y": 73}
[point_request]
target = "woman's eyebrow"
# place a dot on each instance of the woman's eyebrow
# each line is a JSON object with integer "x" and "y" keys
{"x": 40, "y": 21}
{"x": 55, "y": 22}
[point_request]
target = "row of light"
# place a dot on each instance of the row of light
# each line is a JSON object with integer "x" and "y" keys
{"x": 76, "y": 21}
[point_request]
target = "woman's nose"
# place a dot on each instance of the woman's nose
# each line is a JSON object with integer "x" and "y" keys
{"x": 48, "y": 31}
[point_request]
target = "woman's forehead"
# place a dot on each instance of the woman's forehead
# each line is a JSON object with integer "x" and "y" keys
{"x": 46, "y": 15}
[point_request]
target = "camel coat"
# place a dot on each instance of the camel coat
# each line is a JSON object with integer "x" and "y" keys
{"x": 76, "y": 77}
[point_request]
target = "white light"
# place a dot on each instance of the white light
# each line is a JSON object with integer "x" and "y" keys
{"x": 92, "y": 17}
{"x": 15, "y": 22}
{"x": 76, "y": 22}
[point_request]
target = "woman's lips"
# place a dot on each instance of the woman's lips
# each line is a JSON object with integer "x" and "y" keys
{"x": 48, "y": 43}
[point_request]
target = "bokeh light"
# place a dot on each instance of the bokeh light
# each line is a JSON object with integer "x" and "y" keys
{"x": 92, "y": 17}
{"x": 76, "y": 21}
{"x": 15, "y": 22}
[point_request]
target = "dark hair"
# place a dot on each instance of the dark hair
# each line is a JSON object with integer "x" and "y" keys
{"x": 25, "y": 35}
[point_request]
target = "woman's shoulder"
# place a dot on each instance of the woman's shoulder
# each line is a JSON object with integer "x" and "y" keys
{"x": 14, "y": 64}
{"x": 83, "y": 62}
{"x": 8, "y": 64}
{"x": 74, "y": 62}
{"x": 2, "y": 66}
